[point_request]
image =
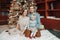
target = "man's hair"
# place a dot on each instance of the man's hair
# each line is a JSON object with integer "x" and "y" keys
{"x": 33, "y": 7}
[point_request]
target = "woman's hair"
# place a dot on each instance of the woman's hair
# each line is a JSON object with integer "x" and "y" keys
{"x": 24, "y": 10}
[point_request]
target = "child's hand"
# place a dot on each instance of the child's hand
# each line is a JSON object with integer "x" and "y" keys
{"x": 32, "y": 29}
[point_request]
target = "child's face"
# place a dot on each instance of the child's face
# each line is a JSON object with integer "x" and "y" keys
{"x": 33, "y": 18}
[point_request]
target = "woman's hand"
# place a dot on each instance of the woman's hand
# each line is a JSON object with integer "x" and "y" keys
{"x": 18, "y": 26}
{"x": 24, "y": 24}
{"x": 14, "y": 30}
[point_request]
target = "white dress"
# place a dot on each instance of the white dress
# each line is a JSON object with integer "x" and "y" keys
{"x": 23, "y": 22}
{"x": 32, "y": 27}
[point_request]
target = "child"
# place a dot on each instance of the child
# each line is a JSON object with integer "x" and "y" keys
{"x": 32, "y": 26}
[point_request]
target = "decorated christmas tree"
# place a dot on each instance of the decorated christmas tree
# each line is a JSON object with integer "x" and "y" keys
{"x": 16, "y": 9}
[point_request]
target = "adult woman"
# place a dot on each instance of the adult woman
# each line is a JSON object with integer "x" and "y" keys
{"x": 23, "y": 21}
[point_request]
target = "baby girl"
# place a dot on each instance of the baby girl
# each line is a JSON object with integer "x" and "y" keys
{"x": 32, "y": 25}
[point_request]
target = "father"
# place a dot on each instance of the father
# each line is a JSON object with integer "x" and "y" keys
{"x": 32, "y": 11}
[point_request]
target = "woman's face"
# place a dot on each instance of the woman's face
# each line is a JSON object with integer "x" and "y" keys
{"x": 25, "y": 12}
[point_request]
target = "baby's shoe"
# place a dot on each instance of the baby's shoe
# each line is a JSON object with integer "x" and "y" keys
{"x": 30, "y": 37}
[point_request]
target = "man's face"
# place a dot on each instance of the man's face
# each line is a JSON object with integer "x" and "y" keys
{"x": 31, "y": 9}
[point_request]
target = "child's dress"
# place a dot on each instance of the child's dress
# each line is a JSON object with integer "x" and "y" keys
{"x": 32, "y": 27}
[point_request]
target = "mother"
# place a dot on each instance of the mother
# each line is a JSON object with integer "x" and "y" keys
{"x": 23, "y": 21}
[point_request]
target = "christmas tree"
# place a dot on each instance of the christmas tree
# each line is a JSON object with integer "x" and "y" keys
{"x": 16, "y": 9}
